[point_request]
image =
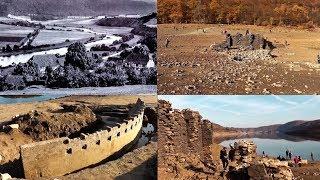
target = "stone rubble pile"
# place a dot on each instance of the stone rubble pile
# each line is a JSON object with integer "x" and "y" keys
{"x": 245, "y": 153}
{"x": 245, "y": 47}
{"x": 276, "y": 169}
{"x": 246, "y": 164}
{"x": 238, "y": 55}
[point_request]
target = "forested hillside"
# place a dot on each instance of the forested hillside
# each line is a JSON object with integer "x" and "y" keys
{"x": 76, "y": 7}
{"x": 259, "y": 12}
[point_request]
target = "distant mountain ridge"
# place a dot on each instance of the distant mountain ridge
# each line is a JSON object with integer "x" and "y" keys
{"x": 298, "y": 127}
{"x": 79, "y": 7}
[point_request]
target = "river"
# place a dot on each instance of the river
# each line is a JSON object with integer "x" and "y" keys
{"x": 84, "y": 24}
{"x": 26, "y": 99}
{"x": 23, "y": 58}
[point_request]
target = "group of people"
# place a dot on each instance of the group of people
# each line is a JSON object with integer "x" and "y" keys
{"x": 296, "y": 159}
{"x": 288, "y": 156}
{"x": 225, "y": 157}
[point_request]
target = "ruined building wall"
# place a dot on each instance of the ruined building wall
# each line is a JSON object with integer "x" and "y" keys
{"x": 207, "y": 139}
{"x": 60, "y": 156}
{"x": 165, "y": 130}
{"x": 194, "y": 131}
{"x": 182, "y": 132}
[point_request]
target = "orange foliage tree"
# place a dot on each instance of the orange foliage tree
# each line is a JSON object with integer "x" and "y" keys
{"x": 259, "y": 12}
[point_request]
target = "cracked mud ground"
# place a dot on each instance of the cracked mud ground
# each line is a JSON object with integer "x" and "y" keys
{"x": 189, "y": 66}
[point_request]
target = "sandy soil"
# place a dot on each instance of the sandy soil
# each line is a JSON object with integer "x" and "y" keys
{"x": 310, "y": 171}
{"x": 10, "y": 145}
{"x": 189, "y": 66}
{"x": 10, "y": 110}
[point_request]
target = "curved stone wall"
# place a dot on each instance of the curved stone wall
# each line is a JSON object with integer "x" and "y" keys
{"x": 61, "y": 156}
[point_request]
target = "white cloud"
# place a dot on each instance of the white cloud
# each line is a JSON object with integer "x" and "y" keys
{"x": 285, "y": 100}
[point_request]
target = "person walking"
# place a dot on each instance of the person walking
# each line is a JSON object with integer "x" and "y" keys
{"x": 312, "y": 159}
{"x": 290, "y": 154}
{"x": 232, "y": 153}
{"x": 167, "y": 42}
{"x": 296, "y": 160}
{"x": 224, "y": 157}
{"x": 287, "y": 154}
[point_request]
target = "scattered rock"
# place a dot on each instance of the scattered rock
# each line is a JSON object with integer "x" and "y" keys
{"x": 297, "y": 91}
{"x": 14, "y": 126}
{"x": 266, "y": 91}
{"x": 190, "y": 87}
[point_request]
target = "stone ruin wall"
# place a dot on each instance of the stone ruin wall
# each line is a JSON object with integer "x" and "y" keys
{"x": 207, "y": 139}
{"x": 184, "y": 131}
{"x": 194, "y": 131}
{"x": 61, "y": 156}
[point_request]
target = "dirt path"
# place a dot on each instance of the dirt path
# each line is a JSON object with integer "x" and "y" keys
{"x": 189, "y": 66}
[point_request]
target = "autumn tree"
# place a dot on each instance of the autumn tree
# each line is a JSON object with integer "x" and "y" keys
{"x": 259, "y": 12}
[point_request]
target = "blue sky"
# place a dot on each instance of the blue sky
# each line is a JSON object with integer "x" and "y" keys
{"x": 249, "y": 111}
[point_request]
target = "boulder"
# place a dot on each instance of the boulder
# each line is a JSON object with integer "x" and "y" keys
{"x": 14, "y": 126}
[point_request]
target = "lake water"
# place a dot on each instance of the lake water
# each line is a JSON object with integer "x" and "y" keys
{"x": 24, "y": 99}
{"x": 276, "y": 147}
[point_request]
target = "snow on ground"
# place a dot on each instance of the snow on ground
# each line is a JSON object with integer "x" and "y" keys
{"x": 118, "y": 90}
{"x": 20, "y": 18}
{"x": 14, "y": 30}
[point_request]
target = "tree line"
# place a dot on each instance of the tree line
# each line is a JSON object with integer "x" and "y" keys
{"x": 258, "y": 12}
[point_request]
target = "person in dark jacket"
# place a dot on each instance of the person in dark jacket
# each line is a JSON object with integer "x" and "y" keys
{"x": 224, "y": 157}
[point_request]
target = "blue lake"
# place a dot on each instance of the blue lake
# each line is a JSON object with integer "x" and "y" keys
{"x": 276, "y": 147}
{"x": 25, "y": 99}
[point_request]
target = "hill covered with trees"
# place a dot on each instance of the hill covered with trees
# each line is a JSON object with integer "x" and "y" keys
{"x": 258, "y": 12}
{"x": 77, "y": 7}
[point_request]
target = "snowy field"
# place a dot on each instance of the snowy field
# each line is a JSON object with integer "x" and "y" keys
{"x": 14, "y": 30}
